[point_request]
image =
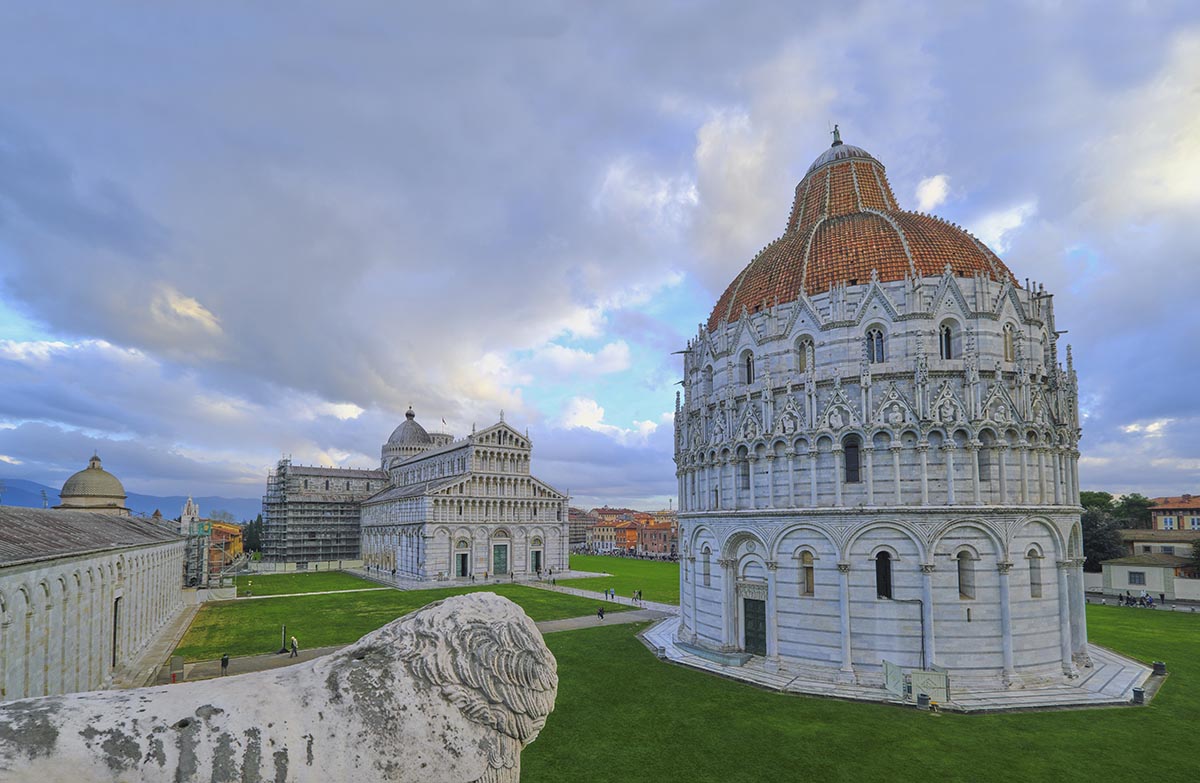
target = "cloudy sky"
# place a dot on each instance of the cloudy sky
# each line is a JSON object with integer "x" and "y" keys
{"x": 233, "y": 231}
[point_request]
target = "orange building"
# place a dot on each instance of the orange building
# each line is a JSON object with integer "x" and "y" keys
{"x": 225, "y": 545}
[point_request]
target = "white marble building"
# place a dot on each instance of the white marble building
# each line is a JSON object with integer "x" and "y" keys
{"x": 464, "y": 508}
{"x": 81, "y": 594}
{"x": 877, "y": 452}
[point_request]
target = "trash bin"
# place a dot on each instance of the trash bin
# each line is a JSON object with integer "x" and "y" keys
{"x": 1160, "y": 668}
{"x": 923, "y": 700}
{"x": 1139, "y": 696}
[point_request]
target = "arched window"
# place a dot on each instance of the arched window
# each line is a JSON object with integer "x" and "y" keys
{"x": 808, "y": 582}
{"x": 748, "y": 367}
{"x": 1035, "y": 573}
{"x": 984, "y": 459}
{"x": 875, "y": 345}
{"x": 706, "y": 376}
{"x": 1010, "y": 348}
{"x": 744, "y": 474}
{"x": 966, "y": 575}
{"x": 804, "y": 354}
{"x": 851, "y": 455}
{"x": 946, "y": 341}
{"x": 883, "y": 574}
{"x": 706, "y": 566}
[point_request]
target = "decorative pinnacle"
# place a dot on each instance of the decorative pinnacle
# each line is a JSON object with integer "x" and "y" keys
{"x": 837, "y": 136}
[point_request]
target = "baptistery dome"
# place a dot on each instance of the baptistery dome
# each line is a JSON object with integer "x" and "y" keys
{"x": 877, "y": 453}
{"x": 845, "y": 227}
{"x": 93, "y": 488}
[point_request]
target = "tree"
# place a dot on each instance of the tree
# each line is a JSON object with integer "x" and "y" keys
{"x": 222, "y": 516}
{"x": 1133, "y": 511}
{"x": 252, "y": 535}
{"x": 1101, "y": 539}
{"x": 1099, "y": 501}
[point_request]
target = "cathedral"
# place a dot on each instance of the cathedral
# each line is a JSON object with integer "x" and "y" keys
{"x": 436, "y": 509}
{"x": 877, "y": 453}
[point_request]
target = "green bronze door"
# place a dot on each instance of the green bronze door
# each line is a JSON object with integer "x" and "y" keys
{"x": 755, "y": 612}
{"x": 500, "y": 559}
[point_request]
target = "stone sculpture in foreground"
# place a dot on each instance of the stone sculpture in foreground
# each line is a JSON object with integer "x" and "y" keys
{"x": 452, "y": 692}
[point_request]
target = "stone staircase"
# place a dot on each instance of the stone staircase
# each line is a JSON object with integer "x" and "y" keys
{"x": 1108, "y": 682}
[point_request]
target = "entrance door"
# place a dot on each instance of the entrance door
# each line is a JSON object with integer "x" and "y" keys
{"x": 755, "y": 613}
{"x": 537, "y": 560}
{"x": 460, "y": 564}
{"x": 500, "y": 559}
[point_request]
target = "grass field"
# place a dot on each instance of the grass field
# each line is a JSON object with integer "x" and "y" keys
{"x": 657, "y": 580}
{"x": 252, "y": 627}
{"x": 290, "y": 584}
{"x": 624, "y": 716}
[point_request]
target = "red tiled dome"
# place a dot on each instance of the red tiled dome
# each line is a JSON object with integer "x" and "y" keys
{"x": 845, "y": 224}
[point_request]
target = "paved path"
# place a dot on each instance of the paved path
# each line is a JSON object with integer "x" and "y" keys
{"x": 318, "y": 592}
{"x": 203, "y": 670}
{"x": 142, "y": 670}
{"x": 666, "y": 609}
{"x": 407, "y": 583}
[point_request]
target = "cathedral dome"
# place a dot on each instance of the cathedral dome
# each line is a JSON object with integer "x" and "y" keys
{"x": 93, "y": 487}
{"x": 845, "y": 228}
{"x": 409, "y": 433}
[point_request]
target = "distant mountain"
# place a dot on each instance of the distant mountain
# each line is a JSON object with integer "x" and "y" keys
{"x": 22, "y": 492}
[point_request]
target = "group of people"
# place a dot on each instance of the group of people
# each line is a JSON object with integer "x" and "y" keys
{"x": 1145, "y": 600}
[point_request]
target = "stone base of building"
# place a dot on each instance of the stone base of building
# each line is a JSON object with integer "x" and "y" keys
{"x": 1110, "y": 680}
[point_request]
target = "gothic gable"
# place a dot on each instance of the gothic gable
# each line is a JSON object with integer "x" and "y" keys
{"x": 839, "y": 412}
{"x": 948, "y": 409}
{"x": 894, "y": 408}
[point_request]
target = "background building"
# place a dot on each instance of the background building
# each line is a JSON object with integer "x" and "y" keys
{"x": 93, "y": 489}
{"x": 465, "y": 508}
{"x": 877, "y": 452}
{"x": 579, "y": 523}
{"x": 313, "y": 514}
{"x": 81, "y": 595}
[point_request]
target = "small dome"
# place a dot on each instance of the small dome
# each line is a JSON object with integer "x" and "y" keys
{"x": 93, "y": 487}
{"x": 839, "y": 151}
{"x": 409, "y": 433}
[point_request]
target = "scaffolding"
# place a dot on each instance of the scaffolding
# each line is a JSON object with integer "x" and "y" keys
{"x": 314, "y": 513}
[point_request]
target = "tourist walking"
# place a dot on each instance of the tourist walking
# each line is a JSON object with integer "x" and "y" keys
{"x": 295, "y": 648}
{"x": 600, "y": 613}
{"x": 224, "y": 664}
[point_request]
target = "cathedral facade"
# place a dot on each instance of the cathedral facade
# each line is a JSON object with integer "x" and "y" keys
{"x": 877, "y": 452}
{"x": 463, "y": 509}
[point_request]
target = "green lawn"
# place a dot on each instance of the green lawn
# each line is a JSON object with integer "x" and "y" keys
{"x": 657, "y": 580}
{"x": 252, "y": 627}
{"x": 289, "y": 584}
{"x": 624, "y": 716}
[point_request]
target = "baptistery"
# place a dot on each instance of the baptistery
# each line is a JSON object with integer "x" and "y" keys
{"x": 876, "y": 449}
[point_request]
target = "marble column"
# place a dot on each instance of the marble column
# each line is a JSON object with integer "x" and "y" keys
{"x": 1025, "y": 496}
{"x": 927, "y": 570}
{"x": 751, "y": 461}
{"x": 895, "y": 449}
{"x": 923, "y": 450}
{"x": 692, "y": 591}
{"x": 1056, "y": 464}
{"x": 791, "y": 463}
{"x": 770, "y": 481}
{"x": 1006, "y": 631}
{"x": 1002, "y": 456}
{"x": 1079, "y": 650}
{"x": 812, "y": 477}
{"x": 729, "y": 602}
{"x": 949, "y": 449}
{"x": 1064, "y": 618}
{"x": 973, "y": 457}
{"x": 846, "y": 674}
{"x": 869, "y": 463}
{"x": 772, "y": 615}
{"x": 1041, "y": 476}
{"x": 838, "y": 477}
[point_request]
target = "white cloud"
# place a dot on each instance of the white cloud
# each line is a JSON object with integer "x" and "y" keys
{"x": 994, "y": 229}
{"x": 174, "y": 310}
{"x": 564, "y": 361}
{"x": 586, "y": 413}
{"x": 10, "y": 460}
{"x": 932, "y": 192}
{"x": 1149, "y": 429}
{"x": 658, "y": 202}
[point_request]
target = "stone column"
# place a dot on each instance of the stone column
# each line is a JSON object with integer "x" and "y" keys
{"x": 895, "y": 449}
{"x": 949, "y": 448}
{"x": 1006, "y": 631}
{"x": 1064, "y": 618}
{"x": 770, "y": 480}
{"x": 846, "y": 674}
{"x": 722, "y": 495}
{"x": 1041, "y": 475}
{"x": 772, "y": 616}
{"x": 728, "y": 600}
{"x": 1002, "y": 455}
{"x": 837, "y": 475}
{"x": 812, "y": 477}
{"x": 1079, "y": 649}
{"x": 751, "y": 461}
{"x": 791, "y": 463}
{"x": 973, "y": 456}
{"x": 692, "y": 602}
{"x": 1075, "y": 474}
{"x": 1057, "y": 465}
{"x": 927, "y": 570}
{"x": 869, "y": 460}
{"x": 923, "y": 450}
{"x": 1025, "y": 496}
